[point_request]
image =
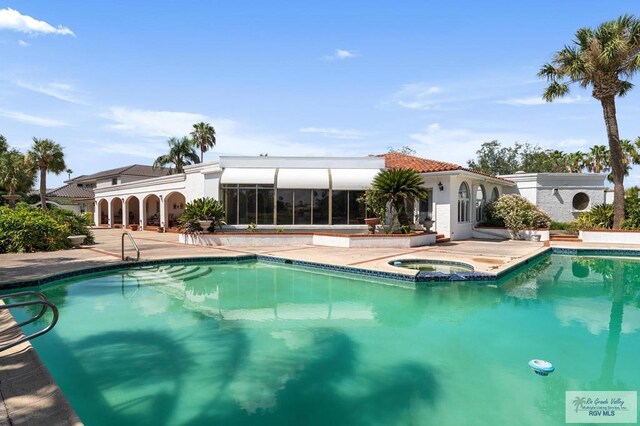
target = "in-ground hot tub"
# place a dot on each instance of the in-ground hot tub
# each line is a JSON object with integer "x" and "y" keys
{"x": 431, "y": 265}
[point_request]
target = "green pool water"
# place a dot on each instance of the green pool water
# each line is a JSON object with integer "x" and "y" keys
{"x": 259, "y": 343}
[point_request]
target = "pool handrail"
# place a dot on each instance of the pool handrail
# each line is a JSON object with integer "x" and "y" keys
{"x": 41, "y": 300}
{"x": 135, "y": 246}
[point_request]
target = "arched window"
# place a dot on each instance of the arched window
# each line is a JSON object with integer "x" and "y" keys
{"x": 495, "y": 194}
{"x": 580, "y": 201}
{"x": 481, "y": 200}
{"x": 463, "y": 203}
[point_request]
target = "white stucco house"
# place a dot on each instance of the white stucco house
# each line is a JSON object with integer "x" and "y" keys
{"x": 320, "y": 193}
{"x": 563, "y": 196}
{"x": 302, "y": 193}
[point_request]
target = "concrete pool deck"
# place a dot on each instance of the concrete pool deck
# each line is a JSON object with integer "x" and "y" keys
{"x": 34, "y": 398}
{"x": 484, "y": 256}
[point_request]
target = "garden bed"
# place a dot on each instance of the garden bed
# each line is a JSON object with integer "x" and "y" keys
{"x": 276, "y": 239}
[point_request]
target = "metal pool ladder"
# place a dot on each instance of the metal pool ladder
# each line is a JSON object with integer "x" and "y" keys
{"x": 135, "y": 246}
{"x": 42, "y": 300}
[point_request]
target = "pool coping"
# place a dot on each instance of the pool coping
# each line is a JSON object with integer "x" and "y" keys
{"x": 418, "y": 279}
{"x": 48, "y": 405}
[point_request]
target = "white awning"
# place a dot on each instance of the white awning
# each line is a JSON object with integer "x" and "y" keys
{"x": 242, "y": 176}
{"x": 303, "y": 179}
{"x": 354, "y": 179}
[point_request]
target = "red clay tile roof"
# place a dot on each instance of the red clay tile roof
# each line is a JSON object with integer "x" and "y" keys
{"x": 396, "y": 160}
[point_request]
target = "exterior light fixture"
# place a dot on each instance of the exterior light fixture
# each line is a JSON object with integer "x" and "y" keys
{"x": 440, "y": 186}
{"x": 555, "y": 191}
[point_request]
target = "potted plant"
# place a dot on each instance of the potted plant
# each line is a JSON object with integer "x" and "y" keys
{"x": 202, "y": 214}
{"x": 428, "y": 223}
{"x": 134, "y": 226}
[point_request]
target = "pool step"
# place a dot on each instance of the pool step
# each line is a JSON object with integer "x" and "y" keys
{"x": 440, "y": 238}
{"x": 566, "y": 238}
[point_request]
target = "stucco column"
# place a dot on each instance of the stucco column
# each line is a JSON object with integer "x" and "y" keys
{"x": 141, "y": 213}
{"x": 109, "y": 212}
{"x": 96, "y": 214}
{"x": 125, "y": 214}
{"x": 162, "y": 212}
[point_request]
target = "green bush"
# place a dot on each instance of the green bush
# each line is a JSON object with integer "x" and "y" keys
{"x": 202, "y": 209}
{"x": 490, "y": 218}
{"x": 599, "y": 217}
{"x": 519, "y": 214}
{"x": 29, "y": 229}
{"x": 562, "y": 226}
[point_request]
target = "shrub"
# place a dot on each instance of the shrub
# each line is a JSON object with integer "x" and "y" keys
{"x": 599, "y": 217}
{"x": 490, "y": 218}
{"x": 519, "y": 214}
{"x": 562, "y": 226}
{"x": 29, "y": 229}
{"x": 201, "y": 209}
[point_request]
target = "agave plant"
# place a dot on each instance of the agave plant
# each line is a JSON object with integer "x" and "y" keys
{"x": 205, "y": 208}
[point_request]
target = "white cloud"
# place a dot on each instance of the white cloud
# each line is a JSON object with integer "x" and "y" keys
{"x": 63, "y": 91}
{"x": 153, "y": 123}
{"x": 340, "y": 54}
{"x": 32, "y": 119}
{"x": 418, "y": 96}
{"x": 457, "y": 145}
{"x": 23, "y": 43}
{"x": 572, "y": 144}
{"x": 147, "y": 127}
{"x": 335, "y": 133}
{"x": 537, "y": 100}
{"x": 11, "y": 19}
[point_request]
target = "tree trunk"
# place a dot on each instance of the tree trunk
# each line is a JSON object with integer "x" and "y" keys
{"x": 201, "y": 155}
{"x": 617, "y": 166}
{"x": 43, "y": 188}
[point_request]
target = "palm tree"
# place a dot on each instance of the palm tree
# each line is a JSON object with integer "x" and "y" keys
{"x": 575, "y": 162}
{"x": 395, "y": 186}
{"x": 604, "y": 58}
{"x": 4, "y": 147}
{"x": 45, "y": 156}
{"x": 181, "y": 153}
{"x": 69, "y": 172}
{"x": 597, "y": 159}
{"x": 204, "y": 137}
{"x": 14, "y": 176}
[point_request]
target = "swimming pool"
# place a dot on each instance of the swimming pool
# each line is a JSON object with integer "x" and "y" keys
{"x": 261, "y": 343}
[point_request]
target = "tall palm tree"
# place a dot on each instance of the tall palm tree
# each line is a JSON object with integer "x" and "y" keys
{"x": 605, "y": 59}
{"x": 14, "y": 176}
{"x": 597, "y": 159}
{"x": 45, "y": 156}
{"x": 395, "y": 186}
{"x": 69, "y": 172}
{"x": 204, "y": 137}
{"x": 181, "y": 153}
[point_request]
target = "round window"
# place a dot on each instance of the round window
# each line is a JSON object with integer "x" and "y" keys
{"x": 580, "y": 201}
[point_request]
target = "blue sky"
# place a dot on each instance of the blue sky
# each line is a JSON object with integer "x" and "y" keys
{"x": 111, "y": 81}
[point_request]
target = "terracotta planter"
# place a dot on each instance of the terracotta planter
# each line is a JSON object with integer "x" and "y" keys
{"x": 134, "y": 227}
{"x": 372, "y": 222}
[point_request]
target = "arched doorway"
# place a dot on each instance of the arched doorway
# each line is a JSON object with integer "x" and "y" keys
{"x": 173, "y": 208}
{"x": 151, "y": 211}
{"x": 116, "y": 213}
{"x": 103, "y": 213}
{"x": 133, "y": 211}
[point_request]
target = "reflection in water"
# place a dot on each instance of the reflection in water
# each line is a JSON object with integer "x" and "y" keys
{"x": 264, "y": 344}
